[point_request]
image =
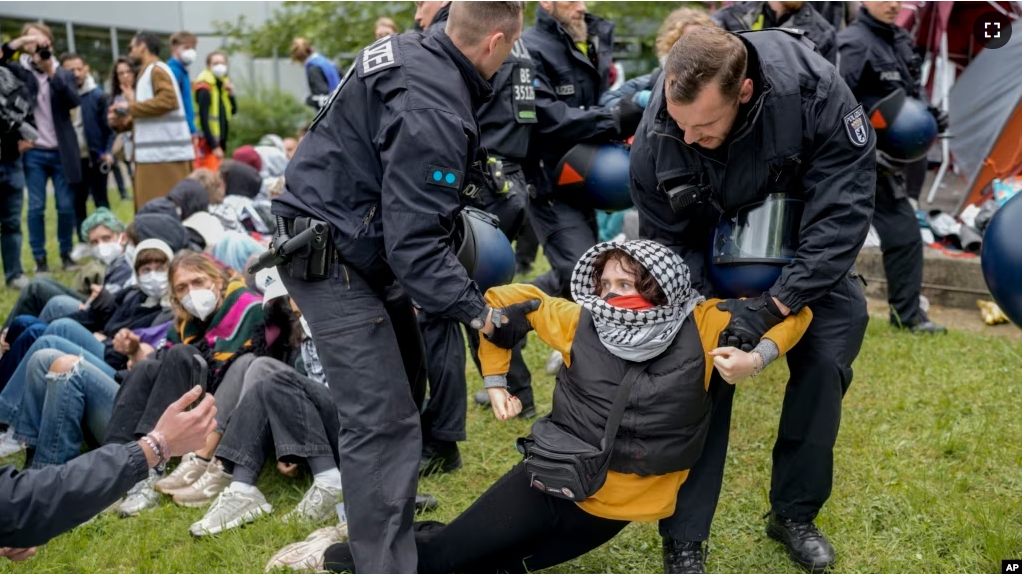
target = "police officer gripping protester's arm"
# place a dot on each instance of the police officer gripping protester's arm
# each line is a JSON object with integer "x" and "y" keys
{"x": 755, "y": 163}
{"x": 376, "y": 186}
{"x": 505, "y": 126}
{"x": 571, "y": 53}
{"x": 881, "y": 66}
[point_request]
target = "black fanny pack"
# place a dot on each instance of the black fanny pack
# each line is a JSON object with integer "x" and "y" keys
{"x": 563, "y": 465}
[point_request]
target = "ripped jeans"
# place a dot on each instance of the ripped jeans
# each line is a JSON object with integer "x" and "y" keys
{"x": 57, "y": 408}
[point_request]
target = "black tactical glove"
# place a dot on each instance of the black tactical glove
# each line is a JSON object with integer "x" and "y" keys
{"x": 512, "y": 326}
{"x": 941, "y": 117}
{"x": 628, "y": 114}
{"x": 750, "y": 320}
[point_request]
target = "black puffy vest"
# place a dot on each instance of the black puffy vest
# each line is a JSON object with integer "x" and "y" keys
{"x": 664, "y": 425}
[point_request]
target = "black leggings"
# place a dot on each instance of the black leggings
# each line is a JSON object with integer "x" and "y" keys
{"x": 511, "y": 528}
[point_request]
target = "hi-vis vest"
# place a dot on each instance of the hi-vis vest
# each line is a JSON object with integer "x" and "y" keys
{"x": 163, "y": 138}
{"x": 207, "y": 78}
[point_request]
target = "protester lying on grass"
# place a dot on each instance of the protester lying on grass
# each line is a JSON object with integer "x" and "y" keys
{"x": 635, "y": 308}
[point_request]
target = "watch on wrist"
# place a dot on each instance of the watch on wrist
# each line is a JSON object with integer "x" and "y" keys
{"x": 480, "y": 321}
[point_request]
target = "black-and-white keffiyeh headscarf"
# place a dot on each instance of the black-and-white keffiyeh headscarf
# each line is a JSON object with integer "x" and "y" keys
{"x": 637, "y": 335}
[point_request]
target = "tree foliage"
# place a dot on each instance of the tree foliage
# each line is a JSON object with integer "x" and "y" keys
{"x": 340, "y": 29}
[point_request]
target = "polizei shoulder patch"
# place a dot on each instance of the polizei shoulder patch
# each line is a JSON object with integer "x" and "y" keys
{"x": 855, "y": 125}
{"x": 379, "y": 55}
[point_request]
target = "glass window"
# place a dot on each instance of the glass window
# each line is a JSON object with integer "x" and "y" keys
{"x": 93, "y": 44}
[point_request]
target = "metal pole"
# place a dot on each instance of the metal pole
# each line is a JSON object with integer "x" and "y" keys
{"x": 70, "y": 36}
{"x": 945, "y": 146}
{"x": 113, "y": 43}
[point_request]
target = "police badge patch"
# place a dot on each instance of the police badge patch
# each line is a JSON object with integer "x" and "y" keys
{"x": 855, "y": 125}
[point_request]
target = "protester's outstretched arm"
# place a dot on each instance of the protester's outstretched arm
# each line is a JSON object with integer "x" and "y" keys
{"x": 37, "y": 505}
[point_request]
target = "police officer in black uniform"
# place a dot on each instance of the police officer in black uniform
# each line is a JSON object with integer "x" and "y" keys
{"x": 778, "y": 120}
{"x": 571, "y": 51}
{"x": 877, "y": 58}
{"x": 505, "y": 124}
{"x": 382, "y": 169}
{"x": 799, "y": 15}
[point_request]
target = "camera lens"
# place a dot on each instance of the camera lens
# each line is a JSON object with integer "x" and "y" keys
{"x": 45, "y": 53}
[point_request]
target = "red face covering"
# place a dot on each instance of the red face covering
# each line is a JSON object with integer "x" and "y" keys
{"x": 630, "y": 302}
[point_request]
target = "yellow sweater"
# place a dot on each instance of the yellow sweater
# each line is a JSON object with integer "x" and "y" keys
{"x": 624, "y": 496}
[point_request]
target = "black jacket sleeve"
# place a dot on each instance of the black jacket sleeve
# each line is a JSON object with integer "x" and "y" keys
{"x": 566, "y": 124}
{"x": 658, "y": 222}
{"x": 852, "y": 63}
{"x": 37, "y": 505}
{"x": 319, "y": 88}
{"x": 417, "y": 213}
{"x": 204, "y": 101}
{"x": 64, "y": 89}
{"x": 839, "y": 183}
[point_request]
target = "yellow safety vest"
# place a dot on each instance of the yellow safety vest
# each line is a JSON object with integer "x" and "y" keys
{"x": 207, "y": 77}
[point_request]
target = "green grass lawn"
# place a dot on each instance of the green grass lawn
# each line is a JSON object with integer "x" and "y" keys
{"x": 926, "y": 477}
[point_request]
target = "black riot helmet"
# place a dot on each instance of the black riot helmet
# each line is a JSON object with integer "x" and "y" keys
{"x": 753, "y": 243}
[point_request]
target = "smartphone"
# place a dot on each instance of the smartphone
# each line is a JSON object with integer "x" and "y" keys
{"x": 200, "y": 372}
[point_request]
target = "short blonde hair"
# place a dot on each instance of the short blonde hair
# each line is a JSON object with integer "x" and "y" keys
{"x": 674, "y": 27}
{"x": 301, "y": 49}
{"x": 384, "y": 21}
{"x": 208, "y": 178}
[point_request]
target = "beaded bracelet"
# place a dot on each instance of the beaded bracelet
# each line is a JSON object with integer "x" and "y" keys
{"x": 158, "y": 443}
{"x": 162, "y": 441}
{"x": 154, "y": 447}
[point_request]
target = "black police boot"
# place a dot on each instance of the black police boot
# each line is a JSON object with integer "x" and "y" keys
{"x": 425, "y": 503}
{"x": 439, "y": 456}
{"x": 683, "y": 557}
{"x": 806, "y": 545}
{"x": 41, "y": 268}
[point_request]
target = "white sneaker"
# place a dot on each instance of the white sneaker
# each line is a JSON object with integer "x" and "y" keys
{"x": 80, "y": 251}
{"x": 554, "y": 363}
{"x": 9, "y": 446}
{"x": 230, "y": 510}
{"x": 187, "y": 472}
{"x": 205, "y": 490}
{"x": 308, "y": 554}
{"x": 318, "y": 504}
{"x": 141, "y": 496}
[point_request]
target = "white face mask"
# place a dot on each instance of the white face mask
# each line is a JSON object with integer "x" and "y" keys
{"x": 305, "y": 327}
{"x": 108, "y": 252}
{"x": 153, "y": 283}
{"x": 200, "y": 303}
{"x": 187, "y": 56}
{"x": 219, "y": 70}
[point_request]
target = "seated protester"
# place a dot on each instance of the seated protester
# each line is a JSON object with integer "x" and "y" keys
{"x": 205, "y": 230}
{"x": 276, "y": 342}
{"x": 635, "y": 309}
{"x": 266, "y": 416}
{"x": 162, "y": 226}
{"x": 272, "y": 156}
{"x": 675, "y": 25}
{"x": 190, "y": 196}
{"x": 215, "y": 318}
{"x": 243, "y": 185}
{"x": 214, "y": 185}
{"x": 235, "y": 249}
{"x": 248, "y": 155}
{"x": 49, "y": 300}
{"x": 136, "y": 308}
